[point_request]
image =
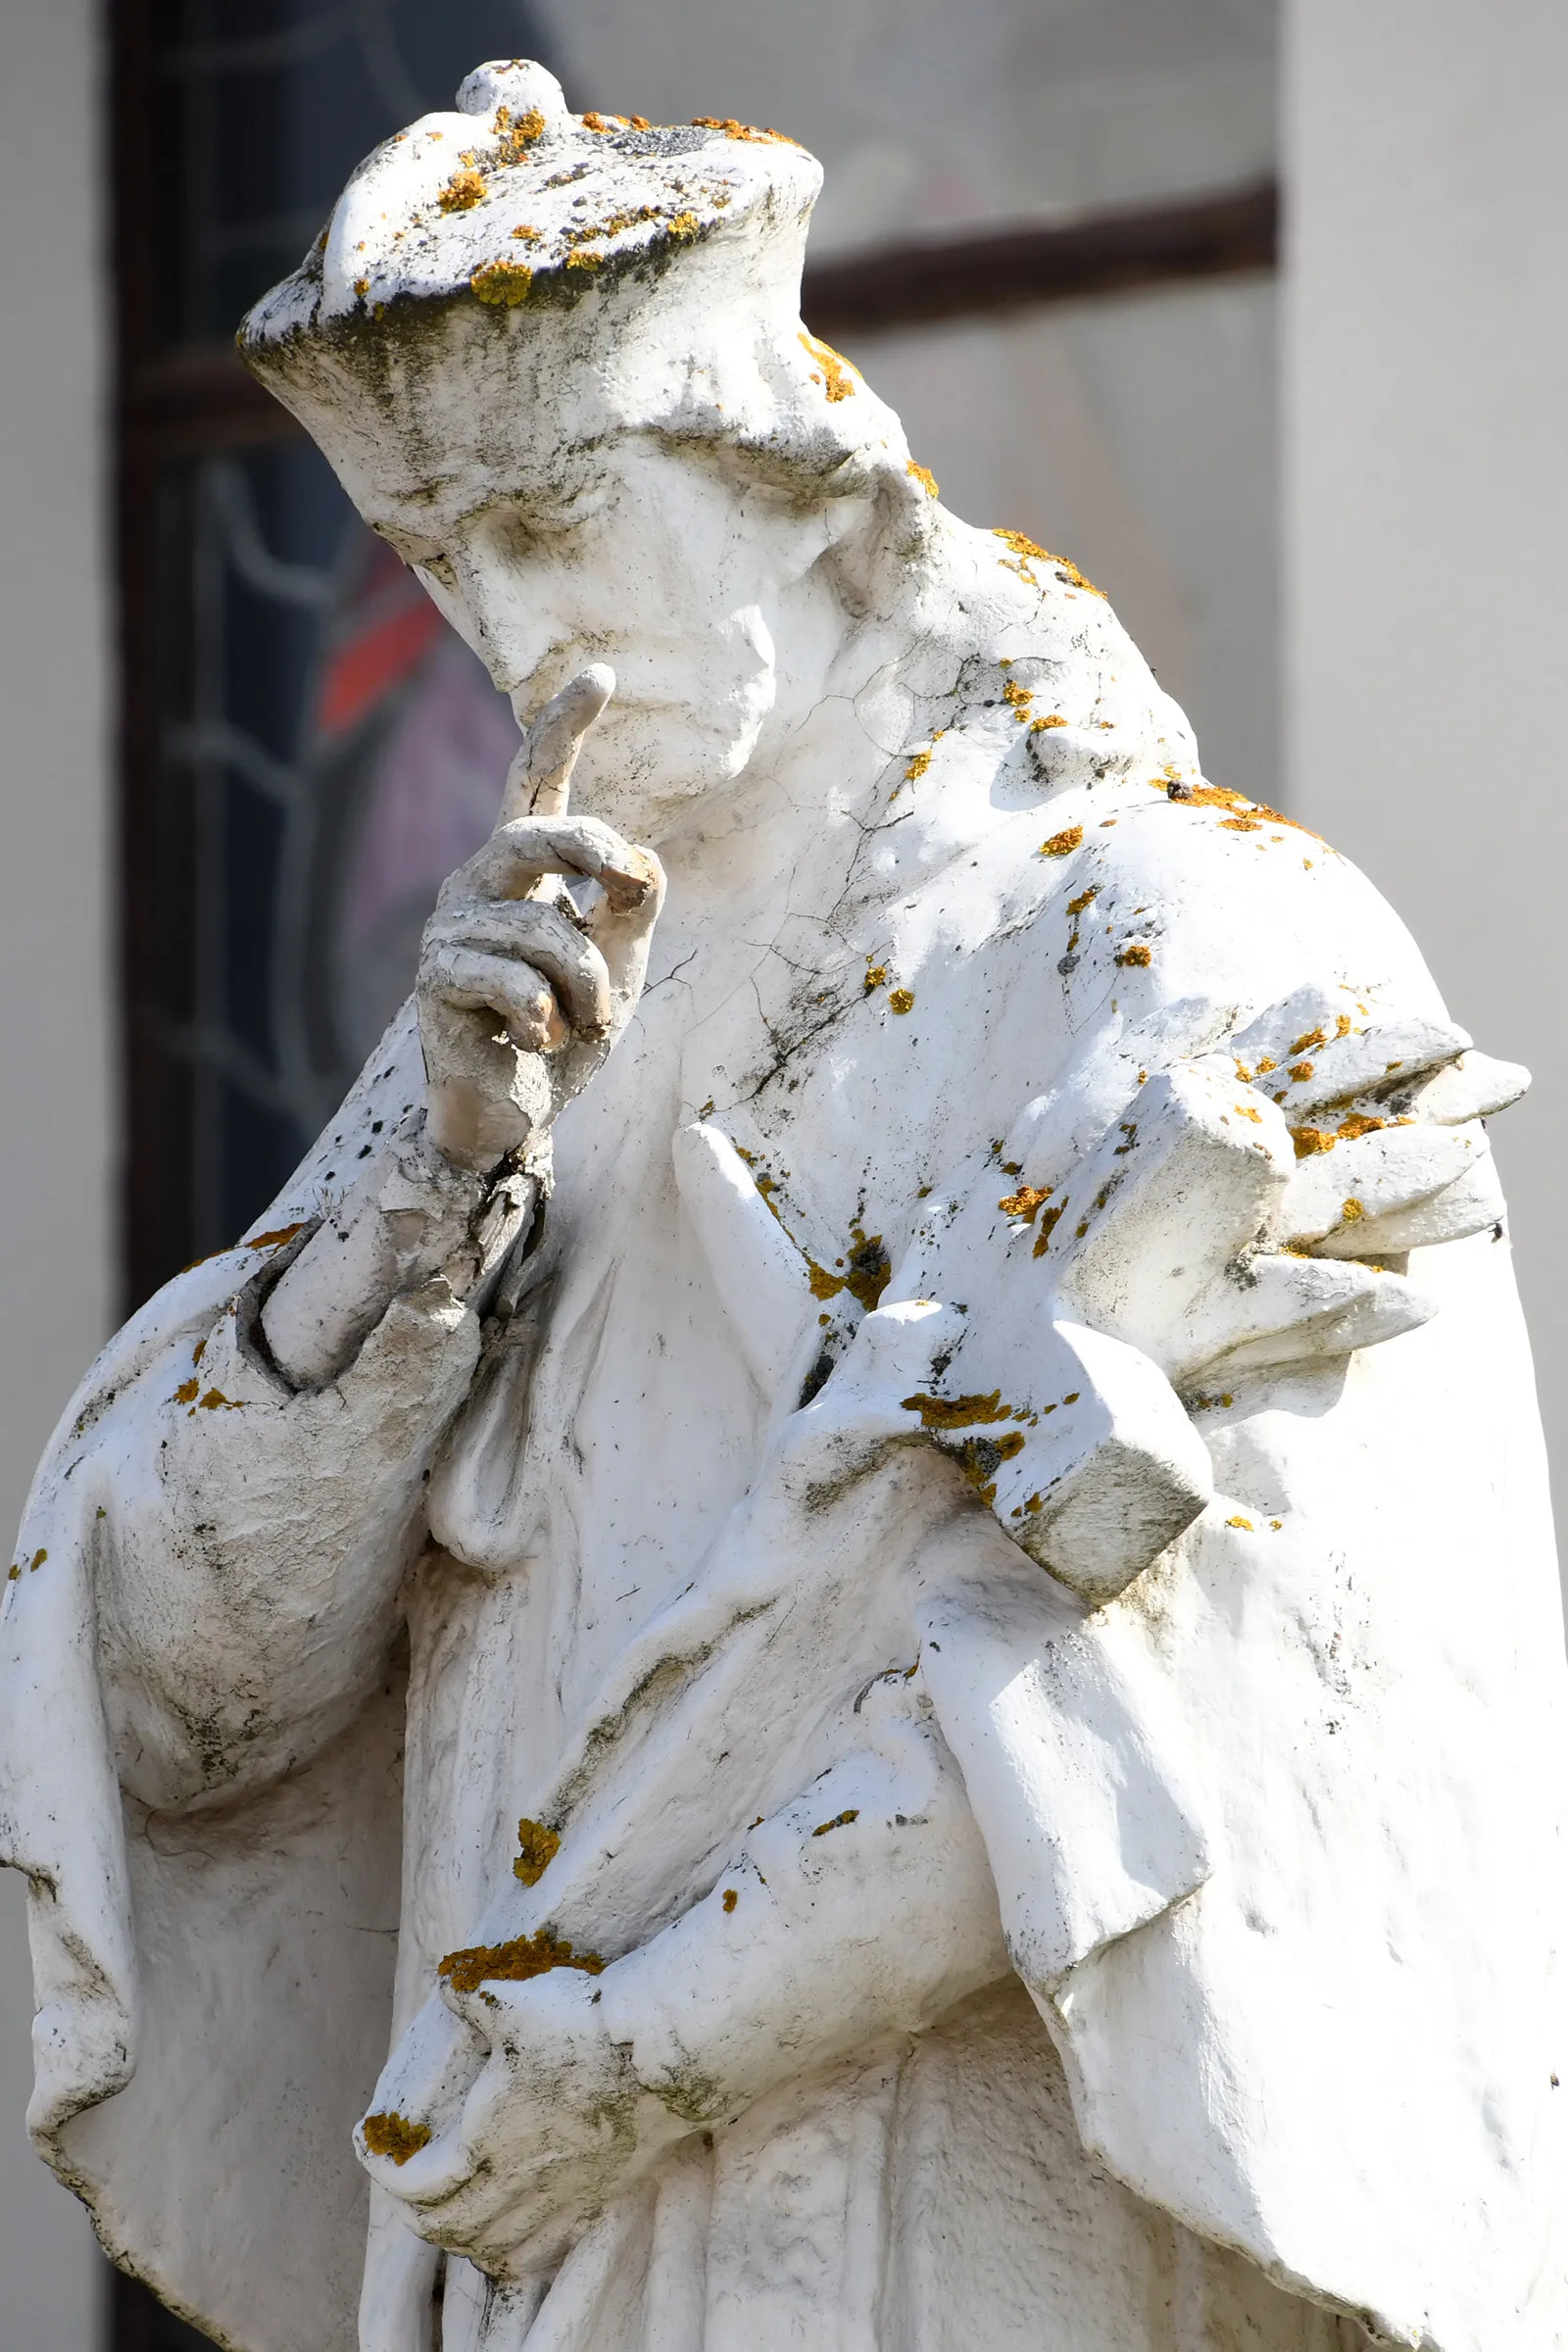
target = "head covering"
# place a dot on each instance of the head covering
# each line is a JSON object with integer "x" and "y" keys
{"x": 501, "y": 284}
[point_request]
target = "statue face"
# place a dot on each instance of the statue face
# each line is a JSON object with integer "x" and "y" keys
{"x": 688, "y": 575}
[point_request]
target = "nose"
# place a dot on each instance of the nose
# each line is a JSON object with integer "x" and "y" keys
{"x": 509, "y": 625}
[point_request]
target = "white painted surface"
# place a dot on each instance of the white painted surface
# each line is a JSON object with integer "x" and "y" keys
{"x": 1088, "y": 1554}
{"x": 57, "y": 1238}
{"x": 1426, "y": 340}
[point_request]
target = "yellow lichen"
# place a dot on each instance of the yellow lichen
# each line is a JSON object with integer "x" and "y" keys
{"x": 1063, "y": 843}
{"x": 902, "y": 1000}
{"x": 392, "y": 2135}
{"x": 530, "y": 235}
{"x": 876, "y": 977}
{"x": 516, "y": 137}
{"x": 586, "y": 261}
{"x": 1136, "y": 953}
{"x": 502, "y": 283}
{"x": 740, "y": 130}
{"x": 513, "y": 1963}
{"x": 187, "y": 1391}
{"x": 1025, "y": 1202}
{"x": 838, "y": 375}
{"x": 267, "y": 1241}
{"x": 840, "y": 1821}
{"x": 1048, "y": 1225}
{"x": 1029, "y": 552}
{"x": 465, "y": 189}
{"x": 1239, "y": 1521}
{"x": 1351, "y": 1212}
{"x": 957, "y": 1412}
{"x": 1084, "y": 899}
{"x": 731, "y": 1899}
{"x": 919, "y": 764}
{"x": 924, "y": 476}
{"x": 216, "y": 1402}
{"x": 539, "y": 1848}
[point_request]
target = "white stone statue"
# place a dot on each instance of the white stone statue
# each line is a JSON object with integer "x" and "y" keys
{"x": 930, "y": 1714}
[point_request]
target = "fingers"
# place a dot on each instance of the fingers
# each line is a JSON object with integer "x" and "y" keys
{"x": 521, "y": 853}
{"x": 531, "y": 931}
{"x": 539, "y": 781}
{"x": 1350, "y": 1182}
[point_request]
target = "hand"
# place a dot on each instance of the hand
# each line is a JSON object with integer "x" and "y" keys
{"x": 524, "y": 985}
{"x": 553, "y": 2124}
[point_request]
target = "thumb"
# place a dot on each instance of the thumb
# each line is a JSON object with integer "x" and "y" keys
{"x": 539, "y": 779}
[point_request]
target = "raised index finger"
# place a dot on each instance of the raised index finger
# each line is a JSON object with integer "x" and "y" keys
{"x": 539, "y": 779}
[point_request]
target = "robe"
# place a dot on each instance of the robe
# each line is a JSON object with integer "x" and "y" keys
{"x": 1274, "y": 1831}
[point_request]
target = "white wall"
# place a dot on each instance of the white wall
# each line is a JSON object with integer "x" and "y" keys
{"x": 56, "y": 1083}
{"x": 1426, "y": 370}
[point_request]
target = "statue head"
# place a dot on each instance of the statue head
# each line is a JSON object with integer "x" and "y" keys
{"x": 558, "y": 362}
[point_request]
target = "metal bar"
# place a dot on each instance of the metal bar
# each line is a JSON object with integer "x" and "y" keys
{"x": 1031, "y": 265}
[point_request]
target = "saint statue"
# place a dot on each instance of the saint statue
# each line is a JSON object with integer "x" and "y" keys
{"x": 843, "y": 1633}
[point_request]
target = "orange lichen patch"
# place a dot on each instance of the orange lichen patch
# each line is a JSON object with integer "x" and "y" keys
{"x": 1063, "y": 843}
{"x": 586, "y": 261}
{"x": 1308, "y": 1139}
{"x": 539, "y": 1847}
{"x": 1300, "y": 1071}
{"x": 530, "y": 234}
{"x": 957, "y": 1412}
{"x": 870, "y": 1267}
{"x": 1025, "y": 1202}
{"x": 1342, "y": 1028}
{"x": 503, "y": 283}
{"x": 392, "y": 2135}
{"x": 1239, "y": 1521}
{"x": 839, "y": 377}
{"x": 1018, "y": 699}
{"x": 1048, "y": 1226}
{"x": 1038, "y": 726}
{"x": 465, "y": 189}
{"x": 1138, "y": 953}
{"x": 515, "y": 1962}
{"x": 1243, "y": 1110}
{"x": 740, "y": 130}
{"x": 265, "y": 1241}
{"x": 1308, "y": 1040}
{"x": 1084, "y": 899}
{"x": 731, "y": 1899}
{"x": 1351, "y": 1212}
{"x": 876, "y": 977}
{"x": 1265, "y": 1065}
{"x": 1028, "y": 550}
{"x": 598, "y": 123}
{"x": 683, "y": 224}
{"x": 362, "y": 287}
{"x": 823, "y": 1285}
{"x": 840, "y": 1821}
{"x": 919, "y": 764}
{"x": 924, "y": 476}
{"x": 37, "y": 1560}
{"x": 216, "y": 1402}
{"x": 516, "y": 137}
{"x": 902, "y": 1000}
{"x": 1220, "y": 796}
{"x": 185, "y": 1394}
{"x": 1240, "y": 824}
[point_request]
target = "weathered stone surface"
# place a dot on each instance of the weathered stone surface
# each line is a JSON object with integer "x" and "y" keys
{"x": 971, "y": 1604}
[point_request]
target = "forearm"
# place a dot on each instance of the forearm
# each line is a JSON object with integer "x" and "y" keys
{"x": 413, "y": 1217}
{"x": 258, "y": 1517}
{"x": 861, "y": 1911}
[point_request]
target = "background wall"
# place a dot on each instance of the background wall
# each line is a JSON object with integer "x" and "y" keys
{"x": 1426, "y": 534}
{"x": 57, "y": 1238}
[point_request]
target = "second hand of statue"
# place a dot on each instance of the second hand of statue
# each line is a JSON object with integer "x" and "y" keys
{"x": 509, "y": 942}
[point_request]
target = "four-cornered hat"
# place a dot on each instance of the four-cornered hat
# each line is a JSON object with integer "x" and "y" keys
{"x": 558, "y": 276}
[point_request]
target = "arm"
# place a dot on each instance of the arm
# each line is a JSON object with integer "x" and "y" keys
{"x": 262, "y": 1482}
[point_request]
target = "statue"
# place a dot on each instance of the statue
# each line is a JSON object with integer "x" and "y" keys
{"x": 845, "y": 1632}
